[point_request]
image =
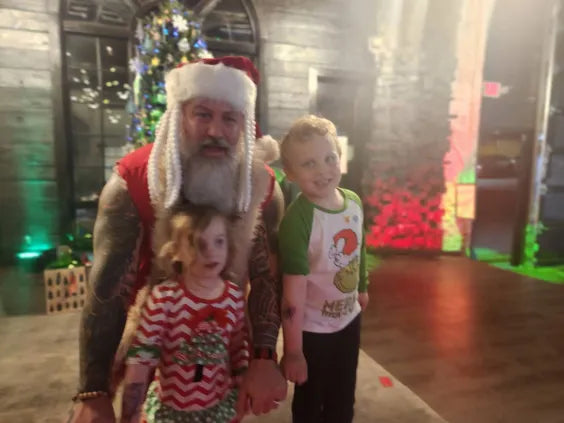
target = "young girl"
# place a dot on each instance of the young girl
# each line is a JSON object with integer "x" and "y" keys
{"x": 192, "y": 330}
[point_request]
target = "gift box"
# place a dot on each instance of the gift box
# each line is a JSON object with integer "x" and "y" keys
{"x": 65, "y": 289}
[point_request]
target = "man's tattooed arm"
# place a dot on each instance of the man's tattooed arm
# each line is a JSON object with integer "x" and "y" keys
{"x": 266, "y": 288}
{"x": 117, "y": 237}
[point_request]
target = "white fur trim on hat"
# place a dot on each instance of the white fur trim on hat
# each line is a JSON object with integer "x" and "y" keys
{"x": 217, "y": 82}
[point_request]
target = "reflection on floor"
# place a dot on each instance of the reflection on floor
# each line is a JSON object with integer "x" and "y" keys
{"x": 477, "y": 343}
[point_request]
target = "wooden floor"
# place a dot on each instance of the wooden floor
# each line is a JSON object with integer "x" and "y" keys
{"x": 478, "y": 344}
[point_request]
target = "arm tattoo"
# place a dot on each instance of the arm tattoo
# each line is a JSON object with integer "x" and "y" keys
{"x": 117, "y": 237}
{"x": 266, "y": 287}
{"x": 288, "y": 312}
{"x": 264, "y": 298}
{"x": 133, "y": 396}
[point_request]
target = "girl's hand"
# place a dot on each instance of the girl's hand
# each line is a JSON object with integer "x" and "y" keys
{"x": 363, "y": 300}
{"x": 294, "y": 367}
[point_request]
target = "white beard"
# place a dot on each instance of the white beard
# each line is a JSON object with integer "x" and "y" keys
{"x": 211, "y": 182}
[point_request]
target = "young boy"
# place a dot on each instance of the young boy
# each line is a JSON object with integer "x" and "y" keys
{"x": 323, "y": 261}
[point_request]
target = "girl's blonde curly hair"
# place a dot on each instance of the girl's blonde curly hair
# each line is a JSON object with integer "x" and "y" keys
{"x": 187, "y": 225}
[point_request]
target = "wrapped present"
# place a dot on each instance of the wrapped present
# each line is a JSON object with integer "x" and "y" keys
{"x": 65, "y": 289}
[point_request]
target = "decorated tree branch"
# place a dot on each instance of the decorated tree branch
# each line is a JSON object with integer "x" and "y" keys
{"x": 166, "y": 38}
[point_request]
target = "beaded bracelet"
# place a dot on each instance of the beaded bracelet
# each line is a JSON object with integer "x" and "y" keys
{"x": 83, "y": 396}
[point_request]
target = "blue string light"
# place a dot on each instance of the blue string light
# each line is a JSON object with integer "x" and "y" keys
{"x": 200, "y": 44}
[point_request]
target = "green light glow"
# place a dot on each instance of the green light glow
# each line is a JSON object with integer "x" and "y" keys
{"x": 32, "y": 249}
{"x": 467, "y": 176}
{"x": 28, "y": 255}
{"x": 490, "y": 256}
{"x": 452, "y": 238}
{"x": 553, "y": 274}
{"x": 38, "y": 246}
{"x": 531, "y": 246}
{"x": 452, "y": 242}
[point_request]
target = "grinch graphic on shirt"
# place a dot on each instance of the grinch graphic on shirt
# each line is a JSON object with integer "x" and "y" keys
{"x": 341, "y": 253}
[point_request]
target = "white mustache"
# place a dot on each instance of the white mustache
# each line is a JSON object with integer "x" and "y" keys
{"x": 215, "y": 142}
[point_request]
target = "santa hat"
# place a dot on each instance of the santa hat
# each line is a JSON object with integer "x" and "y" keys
{"x": 232, "y": 79}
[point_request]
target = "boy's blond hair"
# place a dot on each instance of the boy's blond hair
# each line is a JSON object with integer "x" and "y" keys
{"x": 303, "y": 129}
{"x": 185, "y": 225}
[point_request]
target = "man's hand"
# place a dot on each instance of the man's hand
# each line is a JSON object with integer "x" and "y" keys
{"x": 262, "y": 389}
{"x": 97, "y": 410}
{"x": 294, "y": 366}
{"x": 363, "y": 300}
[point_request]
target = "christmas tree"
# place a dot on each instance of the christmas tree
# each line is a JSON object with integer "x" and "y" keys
{"x": 165, "y": 38}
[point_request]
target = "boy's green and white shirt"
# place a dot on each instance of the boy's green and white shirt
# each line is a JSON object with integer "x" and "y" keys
{"x": 328, "y": 247}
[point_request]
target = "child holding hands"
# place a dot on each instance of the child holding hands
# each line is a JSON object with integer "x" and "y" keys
{"x": 192, "y": 331}
{"x": 322, "y": 257}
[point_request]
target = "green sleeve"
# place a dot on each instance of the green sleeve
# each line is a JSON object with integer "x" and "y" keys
{"x": 351, "y": 195}
{"x": 363, "y": 274}
{"x": 293, "y": 237}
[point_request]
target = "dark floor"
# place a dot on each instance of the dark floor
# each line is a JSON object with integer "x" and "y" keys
{"x": 478, "y": 344}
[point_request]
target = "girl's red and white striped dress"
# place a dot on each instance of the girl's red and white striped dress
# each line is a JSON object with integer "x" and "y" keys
{"x": 197, "y": 346}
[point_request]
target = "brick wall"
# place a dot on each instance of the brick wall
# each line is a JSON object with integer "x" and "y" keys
{"x": 297, "y": 35}
{"x": 426, "y": 109}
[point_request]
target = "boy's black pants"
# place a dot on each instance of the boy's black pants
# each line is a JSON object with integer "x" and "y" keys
{"x": 328, "y": 394}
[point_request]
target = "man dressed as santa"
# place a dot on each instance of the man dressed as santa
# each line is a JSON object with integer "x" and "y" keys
{"x": 206, "y": 152}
